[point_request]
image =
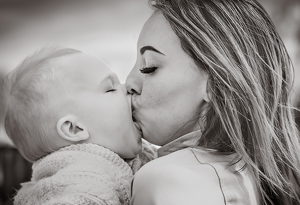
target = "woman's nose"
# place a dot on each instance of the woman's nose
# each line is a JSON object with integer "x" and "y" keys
{"x": 134, "y": 82}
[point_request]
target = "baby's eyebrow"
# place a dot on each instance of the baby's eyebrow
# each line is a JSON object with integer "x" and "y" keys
{"x": 112, "y": 76}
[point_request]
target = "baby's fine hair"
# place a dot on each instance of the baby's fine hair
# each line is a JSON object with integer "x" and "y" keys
{"x": 28, "y": 91}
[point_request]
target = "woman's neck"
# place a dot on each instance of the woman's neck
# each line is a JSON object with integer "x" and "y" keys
{"x": 187, "y": 140}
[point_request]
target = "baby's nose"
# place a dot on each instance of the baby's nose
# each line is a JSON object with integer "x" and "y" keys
{"x": 123, "y": 87}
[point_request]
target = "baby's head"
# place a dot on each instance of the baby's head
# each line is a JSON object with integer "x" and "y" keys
{"x": 59, "y": 97}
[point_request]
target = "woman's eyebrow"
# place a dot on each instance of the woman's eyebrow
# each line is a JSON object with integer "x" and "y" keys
{"x": 149, "y": 48}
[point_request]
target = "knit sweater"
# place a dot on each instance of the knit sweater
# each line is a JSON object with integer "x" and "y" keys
{"x": 78, "y": 174}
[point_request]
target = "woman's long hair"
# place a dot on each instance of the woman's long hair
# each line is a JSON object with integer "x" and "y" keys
{"x": 251, "y": 77}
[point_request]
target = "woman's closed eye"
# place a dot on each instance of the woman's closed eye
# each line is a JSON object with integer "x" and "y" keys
{"x": 148, "y": 70}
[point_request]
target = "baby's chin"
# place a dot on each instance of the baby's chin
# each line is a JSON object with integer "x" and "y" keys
{"x": 134, "y": 152}
{"x": 138, "y": 147}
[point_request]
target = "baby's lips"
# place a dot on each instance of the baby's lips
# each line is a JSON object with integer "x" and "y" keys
{"x": 129, "y": 99}
{"x": 132, "y": 103}
{"x": 138, "y": 127}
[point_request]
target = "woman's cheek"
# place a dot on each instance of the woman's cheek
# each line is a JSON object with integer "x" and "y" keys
{"x": 157, "y": 93}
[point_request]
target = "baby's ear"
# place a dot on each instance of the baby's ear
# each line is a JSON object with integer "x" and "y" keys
{"x": 69, "y": 129}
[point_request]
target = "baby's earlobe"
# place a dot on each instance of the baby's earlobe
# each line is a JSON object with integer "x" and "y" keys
{"x": 68, "y": 128}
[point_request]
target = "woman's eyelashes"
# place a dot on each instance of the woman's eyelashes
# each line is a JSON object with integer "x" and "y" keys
{"x": 148, "y": 70}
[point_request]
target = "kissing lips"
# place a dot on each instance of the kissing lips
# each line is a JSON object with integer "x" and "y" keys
{"x": 134, "y": 119}
{"x": 138, "y": 128}
{"x": 137, "y": 125}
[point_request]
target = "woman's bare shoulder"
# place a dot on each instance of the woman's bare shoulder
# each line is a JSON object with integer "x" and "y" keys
{"x": 177, "y": 179}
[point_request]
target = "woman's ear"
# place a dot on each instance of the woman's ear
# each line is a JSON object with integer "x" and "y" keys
{"x": 207, "y": 94}
{"x": 68, "y": 128}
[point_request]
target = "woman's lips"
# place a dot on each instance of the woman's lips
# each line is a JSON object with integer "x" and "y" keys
{"x": 136, "y": 124}
{"x": 138, "y": 127}
{"x": 134, "y": 118}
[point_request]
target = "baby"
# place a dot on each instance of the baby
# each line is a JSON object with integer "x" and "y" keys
{"x": 68, "y": 114}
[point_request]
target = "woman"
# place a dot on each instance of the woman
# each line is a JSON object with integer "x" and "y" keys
{"x": 211, "y": 85}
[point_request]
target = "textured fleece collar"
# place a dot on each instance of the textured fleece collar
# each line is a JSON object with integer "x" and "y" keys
{"x": 65, "y": 156}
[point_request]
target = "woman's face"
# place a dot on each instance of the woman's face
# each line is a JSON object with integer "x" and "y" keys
{"x": 168, "y": 89}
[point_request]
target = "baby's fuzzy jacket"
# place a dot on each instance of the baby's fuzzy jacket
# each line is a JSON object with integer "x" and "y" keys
{"x": 79, "y": 174}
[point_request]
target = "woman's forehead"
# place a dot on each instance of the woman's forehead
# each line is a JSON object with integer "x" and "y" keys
{"x": 158, "y": 33}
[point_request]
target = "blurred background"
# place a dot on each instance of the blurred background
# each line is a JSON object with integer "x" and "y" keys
{"x": 106, "y": 28}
